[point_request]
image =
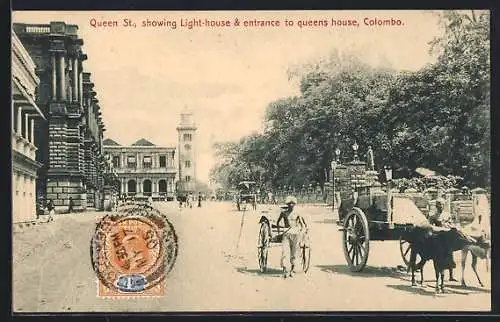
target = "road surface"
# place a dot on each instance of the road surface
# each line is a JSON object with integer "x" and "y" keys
{"x": 52, "y": 271}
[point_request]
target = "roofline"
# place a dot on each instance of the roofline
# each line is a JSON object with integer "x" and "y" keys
{"x": 138, "y": 146}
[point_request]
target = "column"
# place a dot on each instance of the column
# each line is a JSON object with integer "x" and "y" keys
{"x": 75, "y": 79}
{"x": 54, "y": 76}
{"x": 62, "y": 78}
{"x": 12, "y": 118}
{"x": 20, "y": 121}
{"x": 32, "y": 131}
{"x": 80, "y": 87}
{"x": 27, "y": 127}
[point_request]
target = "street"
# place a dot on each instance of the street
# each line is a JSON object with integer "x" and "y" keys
{"x": 52, "y": 271}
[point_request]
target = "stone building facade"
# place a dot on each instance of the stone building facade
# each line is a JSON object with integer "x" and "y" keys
{"x": 70, "y": 141}
{"x": 143, "y": 169}
{"x": 25, "y": 113}
{"x": 187, "y": 153}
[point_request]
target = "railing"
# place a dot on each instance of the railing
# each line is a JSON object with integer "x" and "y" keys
{"x": 41, "y": 29}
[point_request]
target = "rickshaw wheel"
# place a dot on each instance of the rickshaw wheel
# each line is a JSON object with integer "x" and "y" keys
{"x": 263, "y": 246}
{"x": 306, "y": 257}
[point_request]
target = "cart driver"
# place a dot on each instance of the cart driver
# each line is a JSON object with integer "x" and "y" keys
{"x": 441, "y": 220}
{"x": 294, "y": 228}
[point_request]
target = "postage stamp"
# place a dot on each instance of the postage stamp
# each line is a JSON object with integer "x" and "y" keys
{"x": 132, "y": 251}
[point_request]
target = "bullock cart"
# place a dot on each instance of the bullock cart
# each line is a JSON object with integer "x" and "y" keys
{"x": 378, "y": 216}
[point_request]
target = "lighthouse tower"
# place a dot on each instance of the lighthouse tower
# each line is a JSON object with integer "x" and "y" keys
{"x": 187, "y": 152}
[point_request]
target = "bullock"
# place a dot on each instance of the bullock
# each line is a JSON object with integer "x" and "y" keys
{"x": 479, "y": 249}
{"x": 437, "y": 246}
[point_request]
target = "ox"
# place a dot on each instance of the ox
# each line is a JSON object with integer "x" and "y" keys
{"x": 436, "y": 246}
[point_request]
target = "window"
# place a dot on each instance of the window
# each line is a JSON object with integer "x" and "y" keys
{"x": 147, "y": 162}
{"x": 187, "y": 178}
{"x": 187, "y": 137}
{"x": 116, "y": 161}
{"x": 163, "y": 161}
{"x": 187, "y": 164}
{"x": 131, "y": 163}
{"x": 187, "y": 147}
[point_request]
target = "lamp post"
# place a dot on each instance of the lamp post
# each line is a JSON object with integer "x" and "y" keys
{"x": 333, "y": 165}
{"x": 388, "y": 176}
{"x": 355, "y": 147}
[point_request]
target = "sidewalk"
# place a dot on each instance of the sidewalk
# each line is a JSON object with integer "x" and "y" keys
{"x": 44, "y": 220}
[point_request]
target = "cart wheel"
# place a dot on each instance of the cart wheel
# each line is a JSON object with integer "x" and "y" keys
{"x": 356, "y": 239}
{"x": 405, "y": 248}
{"x": 306, "y": 257}
{"x": 263, "y": 246}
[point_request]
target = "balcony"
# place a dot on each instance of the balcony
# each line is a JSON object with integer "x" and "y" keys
{"x": 23, "y": 146}
{"x": 38, "y": 29}
{"x": 170, "y": 169}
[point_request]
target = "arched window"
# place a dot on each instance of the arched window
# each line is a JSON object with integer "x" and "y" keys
{"x": 146, "y": 187}
{"x": 162, "y": 186}
{"x": 131, "y": 187}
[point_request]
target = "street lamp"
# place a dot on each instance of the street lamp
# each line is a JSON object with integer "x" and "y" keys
{"x": 388, "y": 176}
{"x": 388, "y": 173}
{"x": 355, "y": 147}
{"x": 337, "y": 155}
{"x": 334, "y": 165}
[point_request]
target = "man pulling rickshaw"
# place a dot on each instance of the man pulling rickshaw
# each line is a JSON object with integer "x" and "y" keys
{"x": 295, "y": 227}
{"x": 292, "y": 235}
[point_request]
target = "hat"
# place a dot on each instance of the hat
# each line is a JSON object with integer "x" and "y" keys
{"x": 291, "y": 199}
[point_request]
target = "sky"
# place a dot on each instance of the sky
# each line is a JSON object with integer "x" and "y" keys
{"x": 145, "y": 76}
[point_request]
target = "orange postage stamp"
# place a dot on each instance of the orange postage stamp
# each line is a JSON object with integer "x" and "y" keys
{"x": 132, "y": 252}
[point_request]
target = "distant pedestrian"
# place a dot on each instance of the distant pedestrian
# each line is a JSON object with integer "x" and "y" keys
{"x": 71, "y": 205}
{"x": 50, "y": 207}
{"x": 199, "y": 200}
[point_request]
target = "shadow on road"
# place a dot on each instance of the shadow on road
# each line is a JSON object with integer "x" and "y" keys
{"x": 392, "y": 272}
{"x": 256, "y": 271}
{"x": 368, "y": 271}
{"x": 429, "y": 289}
{"x": 421, "y": 290}
{"x": 472, "y": 289}
{"x": 325, "y": 221}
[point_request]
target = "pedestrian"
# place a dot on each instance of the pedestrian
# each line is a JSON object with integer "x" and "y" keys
{"x": 71, "y": 205}
{"x": 50, "y": 207}
{"x": 199, "y": 200}
{"x": 270, "y": 199}
{"x": 295, "y": 228}
{"x": 150, "y": 201}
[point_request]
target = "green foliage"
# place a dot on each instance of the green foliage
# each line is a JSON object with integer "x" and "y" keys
{"x": 437, "y": 117}
{"x": 422, "y": 183}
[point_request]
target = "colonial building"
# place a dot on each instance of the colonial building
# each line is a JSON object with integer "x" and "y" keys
{"x": 187, "y": 153}
{"x": 70, "y": 141}
{"x": 143, "y": 168}
{"x": 24, "y": 114}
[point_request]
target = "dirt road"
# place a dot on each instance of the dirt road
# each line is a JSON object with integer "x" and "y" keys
{"x": 52, "y": 270}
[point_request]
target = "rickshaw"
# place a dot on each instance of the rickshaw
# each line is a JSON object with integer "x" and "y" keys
{"x": 271, "y": 235}
{"x": 247, "y": 194}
